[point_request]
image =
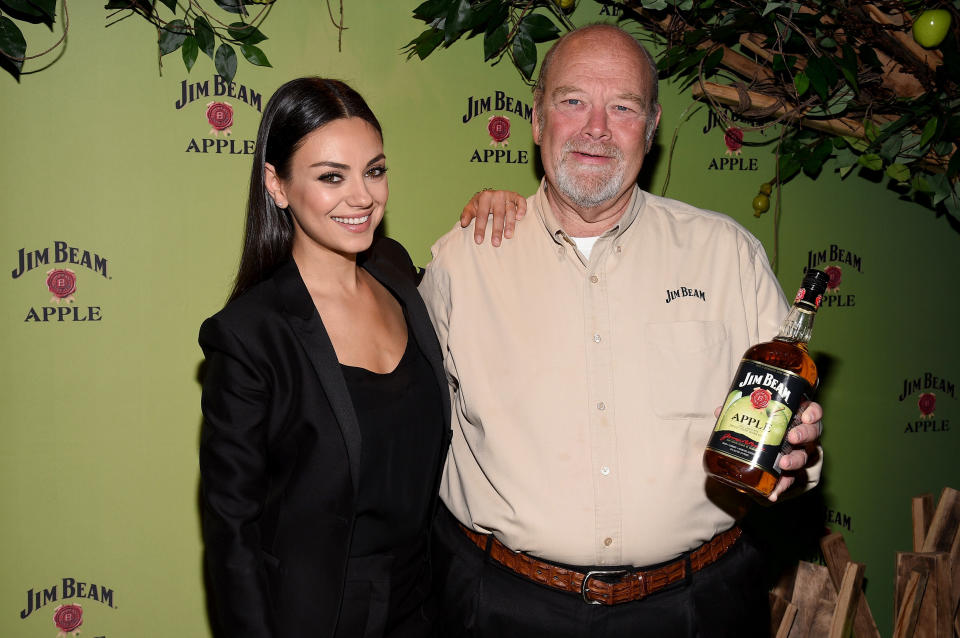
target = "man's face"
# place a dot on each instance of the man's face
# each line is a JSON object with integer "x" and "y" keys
{"x": 594, "y": 133}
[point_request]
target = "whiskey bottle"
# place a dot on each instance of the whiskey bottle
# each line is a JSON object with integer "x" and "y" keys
{"x": 773, "y": 379}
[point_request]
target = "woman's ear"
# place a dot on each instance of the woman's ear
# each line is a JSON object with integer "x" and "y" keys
{"x": 274, "y": 185}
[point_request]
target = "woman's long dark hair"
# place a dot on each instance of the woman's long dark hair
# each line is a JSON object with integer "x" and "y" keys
{"x": 298, "y": 108}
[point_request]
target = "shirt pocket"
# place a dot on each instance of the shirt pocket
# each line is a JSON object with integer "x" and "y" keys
{"x": 687, "y": 367}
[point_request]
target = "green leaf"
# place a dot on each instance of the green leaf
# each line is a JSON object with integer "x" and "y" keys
{"x": 939, "y": 186}
{"x": 929, "y": 129}
{"x": 781, "y": 63}
{"x": 190, "y": 52}
{"x": 891, "y": 148}
{"x": 232, "y": 6}
{"x": 801, "y": 82}
{"x": 225, "y": 62}
{"x": 246, "y": 33}
{"x": 849, "y": 67}
{"x": 524, "y": 54}
{"x": 424, "y": 44}
{"x": 772, "y": 6}
{"x": 654, "y": 5}
{"x": 828, "y": 43}
{"x": 204, "y": 34}
{"x": 953, "y": 167}
{"x": 788, "y": 167}
{"x": 539, "y": 28}
{"x": 170, "y": 4}
{"x": 919, "y": 183}
{"x": 171, "y": 36}
{"x": 870, "y": 130}
{"x": 494, "y": 41}
{"x": 46, "y": 10}
{"x": 899, "y": 173}
{"x": 254, "y": 55}
{"x": 713, "y": 61}
{"x": 458, "y": 18}
{"x": 871, "y": 161}
{"x": 818, "y": 80}
{"x": 845, "y": 170}
{"x": 13, "y": 45}
{"x": 28, "y": 10}
{"x": 943, "y": 148}
{"x": 432, "y": 9}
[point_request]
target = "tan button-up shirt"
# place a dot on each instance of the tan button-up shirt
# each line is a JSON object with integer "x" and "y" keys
{"x": 583, "y": 390}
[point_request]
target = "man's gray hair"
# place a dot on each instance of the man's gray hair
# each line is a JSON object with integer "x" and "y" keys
{"x": 653, "y": 93}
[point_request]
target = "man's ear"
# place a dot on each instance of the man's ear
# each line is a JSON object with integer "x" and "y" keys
{"x": 535, "y": 123}
{"x": 652, "y": 131}
{"x": 274, "y": 185}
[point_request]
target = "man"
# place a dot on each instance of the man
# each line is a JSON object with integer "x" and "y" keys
{"x": 577, "y": 503}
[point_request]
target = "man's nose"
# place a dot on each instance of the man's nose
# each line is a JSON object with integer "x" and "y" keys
{"x": 597, "y": 124}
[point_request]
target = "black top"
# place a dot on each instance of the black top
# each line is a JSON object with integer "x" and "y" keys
{"x": 400, "y": 417}
{"x": 401, "y": 427}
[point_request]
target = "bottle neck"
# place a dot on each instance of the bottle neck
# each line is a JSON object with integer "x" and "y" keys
{"x": 797, "y": 326}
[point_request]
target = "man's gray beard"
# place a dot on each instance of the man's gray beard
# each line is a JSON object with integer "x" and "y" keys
{"x": 590, "y": 190}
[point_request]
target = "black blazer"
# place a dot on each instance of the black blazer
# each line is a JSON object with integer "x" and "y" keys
{"x": 280, "y": 451}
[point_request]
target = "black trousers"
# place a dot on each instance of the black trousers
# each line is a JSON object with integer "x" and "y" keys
{"x": 482, "y": 599}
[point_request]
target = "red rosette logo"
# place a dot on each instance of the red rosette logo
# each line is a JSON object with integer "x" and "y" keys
{"x": 220, "y": 117}
{"x": 800, "y": 295}
{"x": 68, "y": 619}
{"x": 759, "y": 398}
{"x": 499, "y": 129}
{"x": 835, "y": 275}
{"x": 62, "y": 284}
{"x": 927, "y": 402}
{"x": 733, "y": 138}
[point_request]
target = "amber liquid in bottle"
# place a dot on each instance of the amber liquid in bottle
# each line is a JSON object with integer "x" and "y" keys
{"x": 785, "y": 358}
{"x": 743, "y": 476}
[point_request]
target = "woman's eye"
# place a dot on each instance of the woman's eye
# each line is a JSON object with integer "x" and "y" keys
{"x": 331, "y": 178}
{"x": 377, "y": 171}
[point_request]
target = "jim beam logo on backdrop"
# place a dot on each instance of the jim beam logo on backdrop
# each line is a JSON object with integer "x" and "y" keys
{"x": 218, "y": 114}
{"x": 923, "y": 397}
{"x": 61, "y": 268}
{"x": 838, "y": 519}
{"x": 64, "y": 601}
{"x": 505, "y": 112}
{"x": 839, "y": 262}
{"x": 732, "y": 158}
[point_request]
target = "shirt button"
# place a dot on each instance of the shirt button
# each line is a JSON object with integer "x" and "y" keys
{"x": 619, "y": 249}
{"x": 601, "y": 406}
{"x": 596, "y": 338}
{"x": 605, "y": 470}
{"x": 608, "y": 541}
{"x": 594, "y": 279}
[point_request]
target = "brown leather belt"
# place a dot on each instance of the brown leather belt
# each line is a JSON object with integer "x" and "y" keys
{"x": 628, "y": 584}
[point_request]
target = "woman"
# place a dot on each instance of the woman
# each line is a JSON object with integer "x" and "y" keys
{"x": 325, "y": 403}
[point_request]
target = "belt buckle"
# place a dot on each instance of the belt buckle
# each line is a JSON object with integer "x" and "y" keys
{"x": 599, "y": 572}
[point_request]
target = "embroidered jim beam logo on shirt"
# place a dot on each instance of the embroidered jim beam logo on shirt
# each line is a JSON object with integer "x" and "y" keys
{"x": 926, "y": 399}
{"x": 843, "y": 266}
{"x": 495, "y": 118}
{"x": 62, "y": 272}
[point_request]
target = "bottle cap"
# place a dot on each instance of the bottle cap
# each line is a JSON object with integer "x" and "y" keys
{"x": 812, "y": 289}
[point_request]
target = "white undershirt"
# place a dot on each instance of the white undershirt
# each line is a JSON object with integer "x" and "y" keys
{"x": 585, "y": 244}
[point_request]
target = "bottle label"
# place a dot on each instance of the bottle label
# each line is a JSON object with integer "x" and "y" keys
{"x": 757, "y": 413}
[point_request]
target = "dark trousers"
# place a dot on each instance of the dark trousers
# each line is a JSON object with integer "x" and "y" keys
{"x": 482, "y": 599}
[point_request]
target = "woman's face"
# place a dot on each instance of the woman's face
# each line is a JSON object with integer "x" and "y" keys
{"x": 336, "y": 187}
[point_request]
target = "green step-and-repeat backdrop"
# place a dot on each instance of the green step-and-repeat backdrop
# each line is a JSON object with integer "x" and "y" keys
{"x": 113, "y": 174}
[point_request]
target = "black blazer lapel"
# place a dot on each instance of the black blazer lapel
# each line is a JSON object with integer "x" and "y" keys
{"x": 305, "y": 322}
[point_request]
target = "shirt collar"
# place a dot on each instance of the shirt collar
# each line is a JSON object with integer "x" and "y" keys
{"x": 552, "y": 226}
